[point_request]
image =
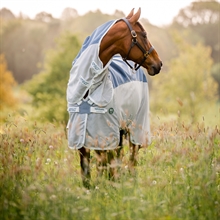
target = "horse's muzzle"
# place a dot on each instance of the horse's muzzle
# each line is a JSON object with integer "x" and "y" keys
{"x": 155, "y": 69}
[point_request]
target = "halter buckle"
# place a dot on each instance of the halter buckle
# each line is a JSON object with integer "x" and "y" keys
{"x": 133, "y": 34}
{"x": 146, "y": 54}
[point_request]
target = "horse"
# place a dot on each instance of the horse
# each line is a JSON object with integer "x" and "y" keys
{"x": 107, "y": 94}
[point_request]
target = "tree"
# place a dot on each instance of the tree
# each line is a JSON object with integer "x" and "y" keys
{"x": 7, "y": 84}
{"x": 203, "y": 18}
{"x": 119, "y": 14}
{"x": 188, "y": 83}
{"x": 44, "y": 17}
{"x": 199, "y": 13}
{"x": 6, "y": 14}
{"x": 69, "y": 14}
{"x": 48, "y": 88}
{"x": 24, "y": 42}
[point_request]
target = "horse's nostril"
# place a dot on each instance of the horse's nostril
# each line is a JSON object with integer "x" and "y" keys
{"x": 161, "y": 63}
{"x": 155, "y": 70}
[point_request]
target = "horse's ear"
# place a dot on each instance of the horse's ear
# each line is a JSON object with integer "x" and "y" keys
{"x": 136, "y": 16}
{"x": 130, "y": 14}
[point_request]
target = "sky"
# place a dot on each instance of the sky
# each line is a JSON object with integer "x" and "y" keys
{"x": 158, "y": 12}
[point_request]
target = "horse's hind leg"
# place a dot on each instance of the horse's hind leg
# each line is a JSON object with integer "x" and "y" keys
{"x": 133, "y": 155}
{"x": 85, "y": 166}
{"x": 133, "y": 148}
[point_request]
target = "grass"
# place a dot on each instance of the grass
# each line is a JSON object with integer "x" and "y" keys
{"x": 177, "y": 177}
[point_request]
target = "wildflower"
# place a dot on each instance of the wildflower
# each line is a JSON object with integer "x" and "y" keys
{"x": 52, "y": 197}
{"x": 38, "y": 162}
{"x": 154, "y": 182}
{"x": 48, "y": 160}
{"x": 50, "y": 147}
{"x": 22, "y": 140}
{"x": 181, "y": 169}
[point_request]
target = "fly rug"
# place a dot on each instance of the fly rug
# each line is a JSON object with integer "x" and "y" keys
{"x": 107, "y": 94}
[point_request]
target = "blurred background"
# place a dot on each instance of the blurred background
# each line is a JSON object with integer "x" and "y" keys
{"x": 37, "y": 49}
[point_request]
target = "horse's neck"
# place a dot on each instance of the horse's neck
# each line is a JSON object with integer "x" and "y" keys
{"x": 114, "y": 42}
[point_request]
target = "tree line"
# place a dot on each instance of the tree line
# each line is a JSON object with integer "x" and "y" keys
{"x": 25, "y": 41}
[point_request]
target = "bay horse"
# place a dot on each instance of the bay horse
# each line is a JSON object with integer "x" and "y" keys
{"x": 107, "y": 94}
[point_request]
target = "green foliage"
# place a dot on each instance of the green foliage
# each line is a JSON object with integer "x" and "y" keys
{"x": 177, "y": 176}
{"x": 188, "y": 83}
{"x": 216, "y": 75}
{"x": 48, "y": 88}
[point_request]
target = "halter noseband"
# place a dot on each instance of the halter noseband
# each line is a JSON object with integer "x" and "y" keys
{"x": 133, "y": 43}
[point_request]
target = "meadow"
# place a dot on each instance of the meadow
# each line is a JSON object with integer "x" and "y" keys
{"x": 177, "y": 176}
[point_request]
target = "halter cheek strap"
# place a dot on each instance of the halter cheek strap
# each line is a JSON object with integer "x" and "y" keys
{"x": 133, "y": 43}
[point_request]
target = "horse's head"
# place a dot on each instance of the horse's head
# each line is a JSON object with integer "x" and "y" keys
{"x": 138, "y": 47}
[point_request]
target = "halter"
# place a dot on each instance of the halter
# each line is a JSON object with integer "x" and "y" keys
{"x": 133, "y": 43}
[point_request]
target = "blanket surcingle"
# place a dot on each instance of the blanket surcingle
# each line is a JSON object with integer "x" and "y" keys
{"x": 117, "y": 99}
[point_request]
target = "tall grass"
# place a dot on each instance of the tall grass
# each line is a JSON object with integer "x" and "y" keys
{"x": 177, "y": 177}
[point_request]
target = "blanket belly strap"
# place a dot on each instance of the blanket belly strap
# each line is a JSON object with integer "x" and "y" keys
{"x": 86, "y": 108}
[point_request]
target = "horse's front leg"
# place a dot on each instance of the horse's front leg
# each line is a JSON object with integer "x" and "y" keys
{"x": 85, "y": 166}
{"x": 101, "y": 162}
{"x": 115, "y": 162}
{"x": 107, "y": 162}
